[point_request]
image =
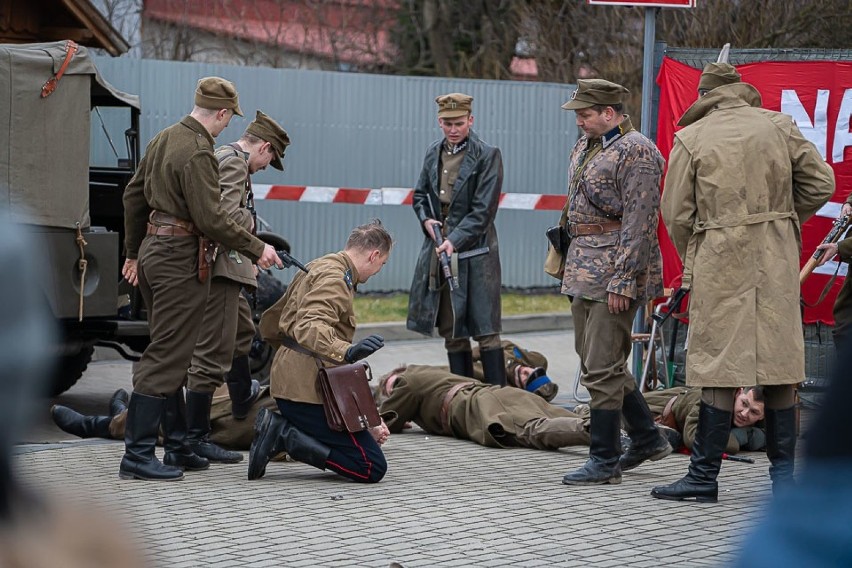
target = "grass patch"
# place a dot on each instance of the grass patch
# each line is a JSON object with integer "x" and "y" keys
{"x": 371, "y": 308}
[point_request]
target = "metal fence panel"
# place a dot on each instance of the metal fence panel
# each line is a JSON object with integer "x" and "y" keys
{"x": 371, "y": 131}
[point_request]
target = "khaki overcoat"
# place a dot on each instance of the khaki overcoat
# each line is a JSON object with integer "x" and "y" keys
{"x": 741, "y": 181}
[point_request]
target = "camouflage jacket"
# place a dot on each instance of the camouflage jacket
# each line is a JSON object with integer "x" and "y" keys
{"x": 620, "y": 182}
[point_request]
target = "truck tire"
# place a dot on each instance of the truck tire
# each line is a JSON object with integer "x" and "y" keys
{"x": 69, "y": 369}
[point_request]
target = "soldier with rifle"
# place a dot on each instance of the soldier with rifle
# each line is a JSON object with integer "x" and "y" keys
{"x": 455, "y": 201}
{"x": 227, "y": 331}
{"x": 843, "y": 303}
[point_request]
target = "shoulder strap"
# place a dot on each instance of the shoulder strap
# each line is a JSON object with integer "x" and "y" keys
{"x": 228, "y": 151}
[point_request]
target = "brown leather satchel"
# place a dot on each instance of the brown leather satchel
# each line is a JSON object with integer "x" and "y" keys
{"x": 347, "y": 399}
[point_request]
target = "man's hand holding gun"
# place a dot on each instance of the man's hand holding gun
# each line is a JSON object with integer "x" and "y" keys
{"x": 287, "y": 261}
{"x": 444, "y": 249}
{"x": 827, "y": 250}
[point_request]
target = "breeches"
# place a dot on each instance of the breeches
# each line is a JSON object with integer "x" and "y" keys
{"x": 355, "y": 456}
{"x": 224, "y": 320}
{"x": 168, "y": 282}
{"x": 603, "y": 342}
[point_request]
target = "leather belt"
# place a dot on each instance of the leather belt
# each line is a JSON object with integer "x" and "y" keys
{"x": 51, "y": 84}
{"x": 583, "y": 229}
{"x": 667, "y": 418}
{"x": 445, "y": 406}
{"x": 160, "y": 223}
{"x": 169, "y": 231}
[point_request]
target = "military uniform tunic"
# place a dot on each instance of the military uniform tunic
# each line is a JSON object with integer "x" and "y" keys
{"x": 227, "y": 315}
{"x": 486, "y": 414}
{"x": 177, "y": 176}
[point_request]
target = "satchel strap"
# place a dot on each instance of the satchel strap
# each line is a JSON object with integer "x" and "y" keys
{"x": 291, "y": 343}
{"x": 51, "y": 84}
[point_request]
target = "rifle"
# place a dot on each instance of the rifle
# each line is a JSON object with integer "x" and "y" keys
{"x": 837, "y": 230}
{"x": 443, "y": 258}
{"x": 289, "y": 261}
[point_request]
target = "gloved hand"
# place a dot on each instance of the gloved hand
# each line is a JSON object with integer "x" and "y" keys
{"x": 363, "y": 348}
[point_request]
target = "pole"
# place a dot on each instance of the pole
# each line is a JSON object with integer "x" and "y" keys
{"x": 647, "y": 91}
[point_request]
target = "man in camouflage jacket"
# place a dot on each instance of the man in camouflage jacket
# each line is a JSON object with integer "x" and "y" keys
{"x": 612, "y": 266}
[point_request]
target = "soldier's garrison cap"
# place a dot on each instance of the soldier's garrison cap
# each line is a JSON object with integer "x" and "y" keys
{"x": 454, "y": 105}
{"x": 270, "y": 131}
{"x": 591, "y": 92}
{"x": 216, "y": 93}
{"x": 718, "y": 74}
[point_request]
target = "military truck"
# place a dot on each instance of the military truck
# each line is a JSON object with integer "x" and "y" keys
{"x": 56, "y": 102}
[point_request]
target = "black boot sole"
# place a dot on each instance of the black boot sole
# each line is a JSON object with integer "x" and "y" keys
{"x": 126, "y": 476}
{"x": 610, "y": 481}
{"x": 261, "y": 424}
{"x": 696, "y": 498}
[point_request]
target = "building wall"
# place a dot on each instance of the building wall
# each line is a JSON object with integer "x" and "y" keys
{"x": 371, "y": 131}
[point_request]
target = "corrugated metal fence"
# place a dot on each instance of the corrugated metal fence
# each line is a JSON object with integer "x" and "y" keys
{"x": 370, "y": 131}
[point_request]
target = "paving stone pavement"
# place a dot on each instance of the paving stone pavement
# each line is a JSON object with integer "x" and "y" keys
{"x": 444, "y": 502}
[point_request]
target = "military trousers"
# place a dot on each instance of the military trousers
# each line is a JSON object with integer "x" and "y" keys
{"x": 603, "y": 342}
{"x": 554, "y": 433}
{"x": 226, "y": 317}
{"x": 175, "y": 299}
{"x": 354, "y": 455}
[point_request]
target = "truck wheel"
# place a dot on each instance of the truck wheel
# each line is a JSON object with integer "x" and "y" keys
{"x": 69, "y": 369}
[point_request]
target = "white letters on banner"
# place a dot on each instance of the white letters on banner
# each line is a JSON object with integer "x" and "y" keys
{"x": 817, "y": 131}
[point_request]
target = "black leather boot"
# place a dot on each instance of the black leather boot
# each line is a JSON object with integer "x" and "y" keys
{"x": 273, "y": 434}
{"x": 178, "y": 452}
{"x": 198, "y": 429}
{"x": 461, "y": 363}
{"x": 140, "y": 438}
{"x": 118, "y": 402}
{"x": 781, "y": 446}
{"x": 493, "y": 366}
{"x": 242, "y": 389}
{"x": 604, "y": 451}
{"x": 646, "y": 441}
{"x": 711, "y": 438}
{"x": 75, "y": 423}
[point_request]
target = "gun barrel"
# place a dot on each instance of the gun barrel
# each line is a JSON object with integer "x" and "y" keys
{"x": 443, "y": 258}
{"x": 289, "y": 261}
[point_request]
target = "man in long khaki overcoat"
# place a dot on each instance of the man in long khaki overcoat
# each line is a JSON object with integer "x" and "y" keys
{"x": 227, "y": 330}
{"x": 741, "y": 182}
{"x": 451, "y": 405}
{"x": 170, "y": 204}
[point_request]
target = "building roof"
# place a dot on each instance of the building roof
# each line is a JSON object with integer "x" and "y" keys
{"x": 35, "y": 21}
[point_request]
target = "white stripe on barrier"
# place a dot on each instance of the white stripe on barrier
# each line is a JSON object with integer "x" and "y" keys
{"x": 519, "y": 200}
{"x": 395, "y": 195}
{"x": 260, "y": 190}
{"x": 319, "y": 194}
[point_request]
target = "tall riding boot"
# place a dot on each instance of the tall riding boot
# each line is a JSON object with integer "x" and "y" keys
{"x": 781, "y": 446}
{"x": 646, "y": 441}
{"x": 242, "y": 389}
{"x": 711, "y": 438}
{"x": 493, "y": 366}
{"x": 604, "y": 451}
{"x": 274, "y": 434}
{"x": 178, "y": 452}
{"x": 461, "y": 363}
{"x": 118, "y": 402}
{"x": 198, "y": 429}
{"x": 140, "y": 438}
{"x": 75, "y": 423}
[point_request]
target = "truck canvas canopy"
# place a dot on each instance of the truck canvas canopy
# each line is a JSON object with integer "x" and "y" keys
{"x": 44, "y": 141}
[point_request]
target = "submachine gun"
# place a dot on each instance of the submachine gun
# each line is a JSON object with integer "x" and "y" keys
{"x": 443, "y": 258}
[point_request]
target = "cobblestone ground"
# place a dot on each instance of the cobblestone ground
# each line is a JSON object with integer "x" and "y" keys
{"x": 444, "y": 502}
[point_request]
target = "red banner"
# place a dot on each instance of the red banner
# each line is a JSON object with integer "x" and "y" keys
{"x": 818, "y": 95}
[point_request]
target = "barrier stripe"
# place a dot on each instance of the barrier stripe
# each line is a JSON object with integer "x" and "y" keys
{"x": 404, "y": 196}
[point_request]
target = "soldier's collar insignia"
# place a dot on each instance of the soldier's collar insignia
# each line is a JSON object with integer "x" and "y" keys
{"x": 347, "y": 277}
{"x": 612, "y": 136}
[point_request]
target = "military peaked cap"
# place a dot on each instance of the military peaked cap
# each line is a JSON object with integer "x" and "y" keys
{"x": 270, "y": 131}
{"x": 454, "y": 105}
{"x": 591, "y": 92}
{"x": 216, "y": 93}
